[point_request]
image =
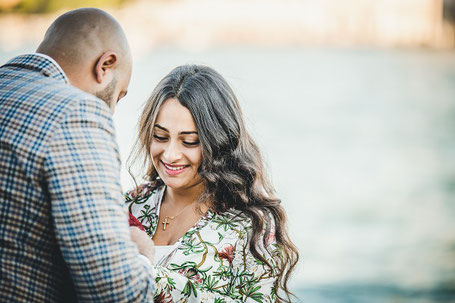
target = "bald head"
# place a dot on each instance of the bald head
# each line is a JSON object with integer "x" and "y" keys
{"x": 82, "y": 34}
{"x": 78, "y": 39}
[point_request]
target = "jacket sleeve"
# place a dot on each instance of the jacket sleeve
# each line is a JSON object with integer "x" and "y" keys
{"x": 82, "y": 168}
{"x": 243, "y": 279}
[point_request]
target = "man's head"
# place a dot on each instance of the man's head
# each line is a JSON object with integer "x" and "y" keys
{"x": 92, "y": 50}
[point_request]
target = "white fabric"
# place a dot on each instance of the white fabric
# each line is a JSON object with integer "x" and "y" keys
{"x": 162, "y": 251}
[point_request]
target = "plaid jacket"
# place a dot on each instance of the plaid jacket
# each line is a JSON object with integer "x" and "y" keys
{"x": 63, "y": 234}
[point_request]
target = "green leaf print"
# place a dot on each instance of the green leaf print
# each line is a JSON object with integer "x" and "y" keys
{"x": 223, "y": 273}
{"x": 210, "y": 284}
{"x": 225, "y": 222}
{"x": 189, "y": 288}
{"x": 171, "y": 283}
{"x": 252, "y": 293}
{"x": 192, "y": 247}
{"x": 169, "y": 286}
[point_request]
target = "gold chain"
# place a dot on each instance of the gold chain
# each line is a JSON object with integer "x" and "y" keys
{"x": 166, "y": 218}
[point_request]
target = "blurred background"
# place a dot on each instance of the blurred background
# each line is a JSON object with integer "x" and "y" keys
{"x": 353, "y": 105}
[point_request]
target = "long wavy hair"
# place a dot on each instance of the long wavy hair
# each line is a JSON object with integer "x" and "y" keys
{"x": 232, "y": 167}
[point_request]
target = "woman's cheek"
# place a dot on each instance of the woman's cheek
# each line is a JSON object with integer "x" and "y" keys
{"x": 196, "y": 157}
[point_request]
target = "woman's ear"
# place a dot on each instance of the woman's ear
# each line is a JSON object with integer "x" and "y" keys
{"x": 105, "y": 62}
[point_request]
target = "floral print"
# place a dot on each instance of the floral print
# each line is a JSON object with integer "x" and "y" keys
{"x": 212, "y": 261}
{"x": 227, "y": 253}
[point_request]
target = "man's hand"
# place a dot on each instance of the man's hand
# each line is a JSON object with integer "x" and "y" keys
{"x": 144, "y": 243}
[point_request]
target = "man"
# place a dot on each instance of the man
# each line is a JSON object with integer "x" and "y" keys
{"x": 63, "y": 234}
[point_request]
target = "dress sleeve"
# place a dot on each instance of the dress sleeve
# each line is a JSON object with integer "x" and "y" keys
{"x": 82, "y": 168}
{"x": 243, "y": 279}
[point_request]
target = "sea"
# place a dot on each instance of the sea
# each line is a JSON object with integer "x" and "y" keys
{"x": 360, "y": 146}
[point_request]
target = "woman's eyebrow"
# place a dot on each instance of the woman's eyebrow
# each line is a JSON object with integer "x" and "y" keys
{"x": 188, "y": 133}
{"x": 160, "y": 127}
{"x": 180, "y": 133}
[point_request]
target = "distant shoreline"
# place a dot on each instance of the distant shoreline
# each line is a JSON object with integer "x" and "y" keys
{"x": 201, "y": 24}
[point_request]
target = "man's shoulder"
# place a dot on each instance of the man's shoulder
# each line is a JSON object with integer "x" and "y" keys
{"x": 36, "y": 84}
{"x": 38, "y": 81}
{"x": 66, "y": 99}
{"x": 34, "y": 105}
{"x": 37, "y": 64}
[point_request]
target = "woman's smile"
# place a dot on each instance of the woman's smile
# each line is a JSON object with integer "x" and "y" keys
{"x": 174, "y": 170}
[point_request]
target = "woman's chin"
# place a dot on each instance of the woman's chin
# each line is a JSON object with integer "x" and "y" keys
{"x": 174, "y": 184}
{"x": 180, "y": 182}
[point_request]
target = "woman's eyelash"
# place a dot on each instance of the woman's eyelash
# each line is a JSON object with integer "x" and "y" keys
{"x": 191, "y": 143}
{"x": 159, "y": 138}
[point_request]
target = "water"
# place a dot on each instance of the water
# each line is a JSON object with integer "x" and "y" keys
{"x": 360, "y": 146}
{"x": 373, "y": 294}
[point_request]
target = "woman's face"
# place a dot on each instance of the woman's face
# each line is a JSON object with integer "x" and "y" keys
{"x": 176, "y": 150}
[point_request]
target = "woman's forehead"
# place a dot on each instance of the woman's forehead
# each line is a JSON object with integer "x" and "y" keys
{"x": 173, "y": 116}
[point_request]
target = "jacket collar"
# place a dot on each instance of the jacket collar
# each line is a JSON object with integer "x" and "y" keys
{"x": 41, "y": 63}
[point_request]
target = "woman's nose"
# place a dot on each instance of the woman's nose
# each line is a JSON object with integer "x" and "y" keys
{"x": 172, "y": 152}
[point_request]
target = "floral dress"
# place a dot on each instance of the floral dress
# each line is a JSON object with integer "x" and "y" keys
{"x": 212, "y": 261}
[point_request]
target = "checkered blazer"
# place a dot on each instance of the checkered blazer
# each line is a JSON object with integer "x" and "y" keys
{"x": 63, "y": 234}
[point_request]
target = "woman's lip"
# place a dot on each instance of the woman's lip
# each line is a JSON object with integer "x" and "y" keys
{"x": 173, "y": 165}
{"x": 174, "y": 169}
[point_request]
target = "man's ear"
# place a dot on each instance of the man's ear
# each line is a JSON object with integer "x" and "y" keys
{"x": 105, "y": 62}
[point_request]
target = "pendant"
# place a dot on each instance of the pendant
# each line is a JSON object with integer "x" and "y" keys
{"x": 165, "y": 222}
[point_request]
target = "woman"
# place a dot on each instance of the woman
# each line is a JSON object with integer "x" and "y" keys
{"x": 220, "y": 233}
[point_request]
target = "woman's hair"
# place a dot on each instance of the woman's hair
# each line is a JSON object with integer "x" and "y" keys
{"x": 232, "y": 168}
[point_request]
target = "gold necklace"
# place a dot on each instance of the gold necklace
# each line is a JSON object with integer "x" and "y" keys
{"x": 166, "y": 218}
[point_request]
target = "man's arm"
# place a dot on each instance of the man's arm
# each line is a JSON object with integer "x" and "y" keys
{"x": 82, "y": 168}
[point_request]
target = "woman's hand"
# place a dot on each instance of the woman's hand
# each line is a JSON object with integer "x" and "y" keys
{"x": 143, "y": 242}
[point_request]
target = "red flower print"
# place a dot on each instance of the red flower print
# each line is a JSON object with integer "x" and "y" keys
{"x": 196, "y": 278}
{"x": 191, "y": 274}
{"x": 227, "y": 253}
{"x": 163, "y": 298}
